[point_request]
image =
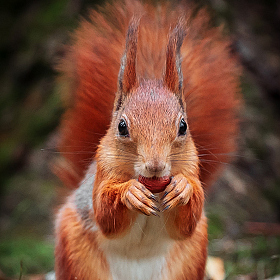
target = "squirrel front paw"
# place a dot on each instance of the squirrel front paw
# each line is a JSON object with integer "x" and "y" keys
{"x": 138, "y": 197}
{"x": 178, "y": 192}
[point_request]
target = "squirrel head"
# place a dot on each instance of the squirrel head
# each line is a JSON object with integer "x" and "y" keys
{"x": 149, "y": 134}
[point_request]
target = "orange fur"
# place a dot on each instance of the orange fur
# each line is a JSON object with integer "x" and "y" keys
{"x": 152, "y": 106}
{"x": 189, "y": 258}
{"x": 90, "y": 72}
{"x": 76, "y": 252}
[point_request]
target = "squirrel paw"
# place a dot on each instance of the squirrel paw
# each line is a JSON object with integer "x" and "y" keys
{"x": 178, "y": 192}
{"x": 138, "y": 197}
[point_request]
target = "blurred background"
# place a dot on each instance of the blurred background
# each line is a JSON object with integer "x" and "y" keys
{"x": 243, "y": 206}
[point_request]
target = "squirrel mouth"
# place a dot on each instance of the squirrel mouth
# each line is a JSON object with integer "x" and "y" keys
{"x": 155, "y": 184}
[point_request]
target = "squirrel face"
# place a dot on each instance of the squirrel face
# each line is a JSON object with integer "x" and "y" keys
{"x": 151, "y": 123}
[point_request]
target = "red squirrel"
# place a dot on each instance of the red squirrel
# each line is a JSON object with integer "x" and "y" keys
{"x": 153, "y": 93}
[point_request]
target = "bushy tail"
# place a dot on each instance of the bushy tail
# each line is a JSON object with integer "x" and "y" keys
{"x": 89, "y": 74}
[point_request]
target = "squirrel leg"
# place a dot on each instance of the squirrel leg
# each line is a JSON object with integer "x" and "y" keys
{"x": 183, "y": 205}
{"x": 116, "y": 205}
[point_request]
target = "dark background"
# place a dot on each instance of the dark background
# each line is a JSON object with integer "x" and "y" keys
{"x": 32, "y": 36}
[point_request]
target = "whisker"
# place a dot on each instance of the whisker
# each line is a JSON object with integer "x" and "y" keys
{"x": 68, "y": 153}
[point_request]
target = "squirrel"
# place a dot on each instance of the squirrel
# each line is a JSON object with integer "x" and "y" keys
{"x": 153, "y": 93}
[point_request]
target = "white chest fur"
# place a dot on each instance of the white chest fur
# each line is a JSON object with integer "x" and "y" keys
{"x": 140, "y": 254}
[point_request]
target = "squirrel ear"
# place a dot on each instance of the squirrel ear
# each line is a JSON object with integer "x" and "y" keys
{"x": 173, "y": 77}
{"x": 127, "y": 75}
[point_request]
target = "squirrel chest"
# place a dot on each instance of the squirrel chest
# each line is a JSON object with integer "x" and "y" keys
{"x": 140, "y": 253}
{"x": 144, "y": 252}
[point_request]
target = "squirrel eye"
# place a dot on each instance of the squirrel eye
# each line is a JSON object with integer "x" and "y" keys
{"x": 182, "y": 128}
{"x": 123, "y": 131}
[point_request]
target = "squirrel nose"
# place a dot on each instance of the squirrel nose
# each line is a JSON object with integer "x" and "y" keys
{"x": 155, "y": 166}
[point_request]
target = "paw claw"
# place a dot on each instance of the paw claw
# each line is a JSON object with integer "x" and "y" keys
{"x": 177, "y": 193}
{"x": 165, "y": 208}
{"x": 153, "y": 197}
{"x": 156, "y": 208}
{"x": 155, "y": 214}
{"x": 165, "y": 194}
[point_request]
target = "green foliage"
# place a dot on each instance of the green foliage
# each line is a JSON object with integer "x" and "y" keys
{"x": 258, "y": 256}
{"x": 215, "y": 225}
{"x": 36, "y": 255}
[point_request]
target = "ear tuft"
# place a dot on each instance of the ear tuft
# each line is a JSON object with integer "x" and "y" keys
{"x": 173, "y": 74}
{"x": 127, "y": 74}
